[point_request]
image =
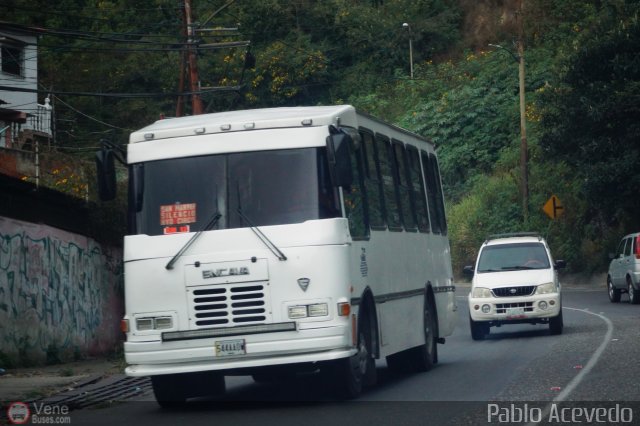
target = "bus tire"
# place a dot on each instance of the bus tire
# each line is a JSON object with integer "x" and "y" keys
{"x": 350, "y": 374}
{"x": 370, "y": 374}
{"x": 172, "y": 390}
{"x": 425, "y": 356}
{"x": 168, "y": 391}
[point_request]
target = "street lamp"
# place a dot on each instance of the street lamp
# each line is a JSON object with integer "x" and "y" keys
{"x": 408, "y": 27}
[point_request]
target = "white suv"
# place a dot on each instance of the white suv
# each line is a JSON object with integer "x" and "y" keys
{"x": 515, "y": 281}
{"x": 624, "y": 270}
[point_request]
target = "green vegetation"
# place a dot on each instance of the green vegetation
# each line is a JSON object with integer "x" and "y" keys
{"x": 582, "y": 92}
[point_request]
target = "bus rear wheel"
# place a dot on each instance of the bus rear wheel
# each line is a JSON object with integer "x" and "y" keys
{"x": 424, "y": 357}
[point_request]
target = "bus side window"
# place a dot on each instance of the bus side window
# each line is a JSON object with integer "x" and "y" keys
{"x": 416, "y": 185}
{"x": 389, "y": 189}
{"x": 401, "y": 175}
{"x": 431, "y": 193}
{"x": 373, "y": 188}
{"x": 439, "y": 195}
{"x": 355, "y": 196}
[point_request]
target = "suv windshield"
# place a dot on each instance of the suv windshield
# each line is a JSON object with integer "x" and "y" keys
{"x": 270, "y": 188}
{"x": 510, "y": 257}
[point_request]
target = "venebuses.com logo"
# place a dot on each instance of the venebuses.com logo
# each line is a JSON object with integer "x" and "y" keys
{"x": 18, "y": 413}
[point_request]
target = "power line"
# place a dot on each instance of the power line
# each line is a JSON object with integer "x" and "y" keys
{"x": 88, "y": 116}
{"x": 126, "y": 95}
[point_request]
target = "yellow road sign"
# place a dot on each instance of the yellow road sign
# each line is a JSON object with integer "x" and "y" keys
{"x": 553, "y": 207}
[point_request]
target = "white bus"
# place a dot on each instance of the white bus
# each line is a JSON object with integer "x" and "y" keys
{"x": 273, "y": 241}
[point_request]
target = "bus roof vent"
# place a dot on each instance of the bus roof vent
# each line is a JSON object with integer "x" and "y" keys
{"x": 225, "y": 127}
{"x": 200, "y": 131}
{"x": 307, "y": 122}
{"x": 249, "y": 126}
{"x": 148, "y": 136}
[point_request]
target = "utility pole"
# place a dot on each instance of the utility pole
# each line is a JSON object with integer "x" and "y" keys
{"x": 524, "y": 151}
{"x": 194, "y": 78}
{"x": 183, "y": 66}
{"x": 188, "y": 57}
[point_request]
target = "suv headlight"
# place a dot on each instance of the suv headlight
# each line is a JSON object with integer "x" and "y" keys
{"x": 481, "y": 293}
{"x": 546, "y": 288}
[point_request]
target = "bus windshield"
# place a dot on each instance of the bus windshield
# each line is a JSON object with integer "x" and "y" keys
{"x": 269, "y": 187}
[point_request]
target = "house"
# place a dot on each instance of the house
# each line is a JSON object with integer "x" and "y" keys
{"x": 23, "y": 120}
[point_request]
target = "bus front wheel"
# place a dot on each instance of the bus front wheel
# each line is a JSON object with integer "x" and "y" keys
{"x": 349, "y": 375}
{"x": 172, "y": 390}
{"x": 168, "y": 391}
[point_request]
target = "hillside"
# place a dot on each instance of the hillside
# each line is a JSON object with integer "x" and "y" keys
{"x": 114, "y": 66}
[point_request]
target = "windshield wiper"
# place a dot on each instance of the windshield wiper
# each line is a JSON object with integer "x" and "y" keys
{"x": 516, "y": 268}
{"x": 267, "y": 242}
{"x": 212, "y": 222}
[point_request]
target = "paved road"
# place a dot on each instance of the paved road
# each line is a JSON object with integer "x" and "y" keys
{"x": 594, "y": 363}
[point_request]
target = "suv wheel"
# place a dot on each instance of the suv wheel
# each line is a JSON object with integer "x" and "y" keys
{"x": 614, "y": 293}
{"x": 478, "y": 329}
{"x": 634, "y": 295}
{"x": 556, "y": 324}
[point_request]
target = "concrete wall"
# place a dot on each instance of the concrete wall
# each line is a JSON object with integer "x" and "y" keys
{"x": 61, "y": 295}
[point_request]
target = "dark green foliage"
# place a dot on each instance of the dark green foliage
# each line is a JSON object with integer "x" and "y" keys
{"x": 582, "y": 93}
{"x": 590, "y": 118}
{"x": 6, "y": 361}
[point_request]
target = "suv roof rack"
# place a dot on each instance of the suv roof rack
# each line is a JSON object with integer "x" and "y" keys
{"x": 514, "y": 234}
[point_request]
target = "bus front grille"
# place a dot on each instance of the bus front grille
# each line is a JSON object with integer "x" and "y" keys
{"x": 228, "y": 305}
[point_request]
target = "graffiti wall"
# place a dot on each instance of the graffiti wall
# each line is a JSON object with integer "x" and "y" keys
{"x": 61, "y": 295}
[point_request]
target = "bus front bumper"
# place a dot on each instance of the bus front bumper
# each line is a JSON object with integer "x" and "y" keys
{"x": 187, "y": 356}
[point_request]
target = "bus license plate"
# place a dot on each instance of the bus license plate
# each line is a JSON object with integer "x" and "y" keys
{"x": 230, "y": 347}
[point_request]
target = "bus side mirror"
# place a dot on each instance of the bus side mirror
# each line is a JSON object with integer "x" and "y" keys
{"x": 106, "y": 174}
{"x": 339, "y": 155}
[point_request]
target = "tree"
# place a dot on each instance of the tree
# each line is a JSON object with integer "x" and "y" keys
{"x": 590, "y": 119}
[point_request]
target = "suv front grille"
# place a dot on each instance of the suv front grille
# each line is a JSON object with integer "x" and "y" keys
{"x": 526, "y": 290}
{"x": 501, "y": 308}
{"x": 228, "y": 305}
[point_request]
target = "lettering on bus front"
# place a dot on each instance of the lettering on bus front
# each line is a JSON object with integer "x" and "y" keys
{"x": 225, "y": 272}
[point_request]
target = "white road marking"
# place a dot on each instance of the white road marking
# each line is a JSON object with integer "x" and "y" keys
{"x": 587, "y": 368}
{"x": 592, "y": 361}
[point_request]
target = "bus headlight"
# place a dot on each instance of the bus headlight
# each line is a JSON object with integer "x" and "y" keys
{"x": 296, "y": 312}
{"x": 319, "y": 310}
{"x": 311, "y": 310}
{"x": 154, "y": 323}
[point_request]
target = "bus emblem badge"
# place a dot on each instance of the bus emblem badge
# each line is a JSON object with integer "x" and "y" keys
{"x": 304, "y": 283}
